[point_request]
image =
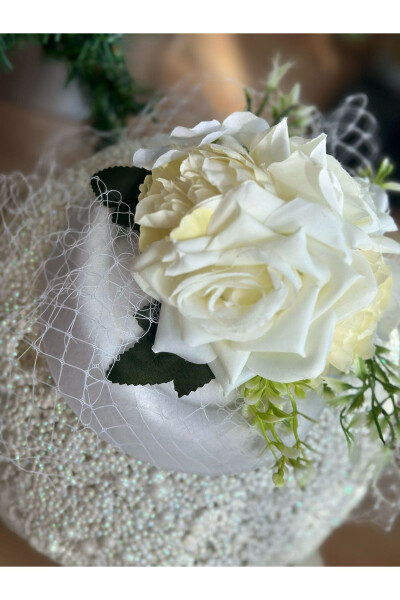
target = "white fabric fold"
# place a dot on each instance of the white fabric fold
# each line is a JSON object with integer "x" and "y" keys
{"x": 90, "y": 321}
{"x": 286, "y": 367}
{"x": 169, "y": 339}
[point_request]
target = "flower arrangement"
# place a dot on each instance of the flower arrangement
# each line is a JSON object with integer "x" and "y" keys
{"x": 266, "y": 268}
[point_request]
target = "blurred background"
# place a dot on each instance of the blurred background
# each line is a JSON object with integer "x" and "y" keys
{"x": 36, "y": 105}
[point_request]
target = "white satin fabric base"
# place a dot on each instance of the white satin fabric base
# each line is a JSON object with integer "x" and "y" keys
{"x": 88, "y": 318}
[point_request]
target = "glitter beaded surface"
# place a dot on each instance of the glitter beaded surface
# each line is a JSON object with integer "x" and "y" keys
{"x": 82, "y": 502}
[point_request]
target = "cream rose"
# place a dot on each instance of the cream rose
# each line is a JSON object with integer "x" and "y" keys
{"x": 265, "y": 253}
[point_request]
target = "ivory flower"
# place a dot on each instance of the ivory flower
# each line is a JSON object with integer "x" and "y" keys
{"x": 265, "y": 253}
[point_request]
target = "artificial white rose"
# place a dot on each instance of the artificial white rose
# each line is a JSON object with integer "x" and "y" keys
{"x": 265, "y": 253}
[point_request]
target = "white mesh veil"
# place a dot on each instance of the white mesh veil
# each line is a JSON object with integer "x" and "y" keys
{"x": 68, "y": 306}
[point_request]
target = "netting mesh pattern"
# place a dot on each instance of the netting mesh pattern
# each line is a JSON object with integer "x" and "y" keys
{"x": 352, "y": 133}
{"x": 65, "y": 285}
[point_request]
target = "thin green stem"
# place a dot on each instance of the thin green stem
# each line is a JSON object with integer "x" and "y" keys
{"x": 264, "y": 101}
{"x": 261, "y": 425}
{"x": 249, "y": 100}
{"x": 284, "y": 114}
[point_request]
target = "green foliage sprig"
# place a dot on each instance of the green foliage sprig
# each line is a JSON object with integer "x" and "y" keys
{"x": 277, "y": 104}
{"x": 97, "y": 63}
{"x": 373, "y": 401}
{"x": 272, "y": 407}
{"x": 380, "y": 175}
{"x": 9, "y": 41}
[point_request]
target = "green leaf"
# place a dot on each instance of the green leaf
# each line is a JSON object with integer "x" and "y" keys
{"x": 360, "y": 369}
{"x": 359, "y": 420}
{"x": 118, "y": 188}
{"x": 140, "y": 365}
{"x": 278, "y": 479}
{"x": 394, "y": 378}
{"x": 337, "y": 385}
{"x": 340, "y": 400}
{"x": 279, "y": 412}
{"x": 392, "y": 186}
{"x": 300, "y": 392}
{"x": 268, "y": 418}
{"x": 288, "y": 451}
{"x": 379, "y": 372}
{"x": 357, "y": 401}
{"x": 382, "y": 350}
{"x": 390, "y": 388}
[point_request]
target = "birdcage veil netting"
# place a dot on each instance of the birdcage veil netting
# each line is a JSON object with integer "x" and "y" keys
{"x": 94, "y": 453}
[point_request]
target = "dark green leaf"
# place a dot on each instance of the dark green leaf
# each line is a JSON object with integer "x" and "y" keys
{"x": 119, "y": 190}
{"x": 140, "y": 365}
{"x": 357, "y": 401}
{"x": 382, "y": 350}
{"x": 379, "y": 372}
{"x": 390, "y": 388}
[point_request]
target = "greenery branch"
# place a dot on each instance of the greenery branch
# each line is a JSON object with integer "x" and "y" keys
{"x": 276, "y": 104}
{"x": 272, "y": 407}
{"x": 97, "y": 63}
{"x": 373, "y": 401}
{"x": 380, "y": 175}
